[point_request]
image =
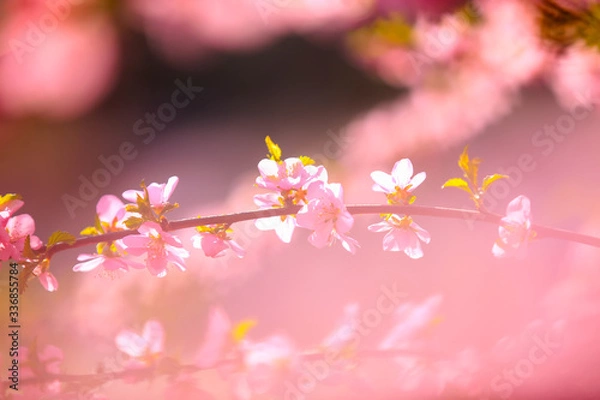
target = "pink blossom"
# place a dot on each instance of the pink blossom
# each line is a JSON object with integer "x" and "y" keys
{"x": 284, "y": 225}
{"x": 48, "y": 281}
{"x": 38, "y": 77}
{"x": 9, "y": 207}
{"x": 576, "y": 76}
{"x": 159, "y": 193}
{"x": 111, "y": 211}
{"x": 214, "y": 240}
{"x": 403, "y": 234}
{"x": 327, "y": 216}
{"x": 44, "y": 361}
{"x": 288, "y": 174}
{"x": 265, "y": 364}
{"x": 515, "y": 229}
{"x": 13, "y": 233}
{"x": 216, "y": 339}
{"x": 159, "y": 247}
{"x": 144, "y": 349}
{"x": 398, "y": 185}
{"x": 90, "y": 262}
{"x": 290, "y": 179}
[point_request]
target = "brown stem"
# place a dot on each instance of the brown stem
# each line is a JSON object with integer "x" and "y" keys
{"x": 153, "y": 371}
{"x": 440, "y": 212}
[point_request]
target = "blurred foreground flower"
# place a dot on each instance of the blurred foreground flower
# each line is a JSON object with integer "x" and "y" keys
{"x": 515, "y": 229}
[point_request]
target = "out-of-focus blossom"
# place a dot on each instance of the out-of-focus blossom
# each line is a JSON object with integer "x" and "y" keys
{"x": 216, "y": 339}
{"x": 185, "y": 388}
{"x": 509, "y": 45}
{"x": 13, "y": 233}
{"x": 326, "y": 214}
{"x": 38, "y": 75}
{"x": 144, "y": 349}
{"x": 411, "y": 321}
{"x": 515, "y": 229}
{"x": 403, "y": 234}
{"x": 429, "y": 379}
{"x": 399, "y": 185}
{"x": 37, "y": 363}
{"x": 158, "y": 193}
{"x": 576, "y": 77}
{"x": 265, "y": 365}
{"x": 214, "y": 240}
{"x": 470, "y": 87}
{"x": 186, "y": 29}
{"x": 160, "y": 248}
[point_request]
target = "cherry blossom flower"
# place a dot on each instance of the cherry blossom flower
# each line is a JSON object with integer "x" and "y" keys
{"x": 159, "y": 193}
{"x": 515, "y": 229}
{"x": 290, "y": 179}
{"x": 284, "y": 225}
{"x": 111, "y": 215}
{"x": 13, "y": 233}
{"x": 214, "y": 240}
{"x": 111, "y": 212}
{"x": 144, "y": 349}
{"x": 159, "y": 247}
{"x": 327, "y": 216}
{"x": 289, "y": 174}
{"x": 48, "y": 281}
{"x": 403, "y": 234}
{"x": 398, "y": 185}
{"x": 90, "y": 262}
{"x": 216, "y": 339}
{"x": 9, "y": 204}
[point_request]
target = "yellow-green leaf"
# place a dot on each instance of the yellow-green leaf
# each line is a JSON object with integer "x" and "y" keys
{"x": 240, "y": 331}
{"x": 488, "y": 180}
{"x": 61, "y": 237}
{"x": 9, "y": 197}
{"x": 89, "y": 231}
{"x": 27, "y": 250}
{"x": 274, "y": 149}
{"x": 306, "y": 160}
{"x": 469, "y": 166}
{"x": 457, "y": 183}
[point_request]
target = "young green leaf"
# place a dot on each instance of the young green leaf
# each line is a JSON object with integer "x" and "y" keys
{"x": 61, "y": 237}
{"x": 457, "y": 183}
{"x": 274, "y": 150}
{"x": 488, "y": 180}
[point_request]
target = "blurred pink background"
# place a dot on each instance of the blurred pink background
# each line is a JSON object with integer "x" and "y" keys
{"x": 77, "y": 94}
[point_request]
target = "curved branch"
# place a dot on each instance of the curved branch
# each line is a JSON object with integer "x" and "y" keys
{"x": 429, "y": 211}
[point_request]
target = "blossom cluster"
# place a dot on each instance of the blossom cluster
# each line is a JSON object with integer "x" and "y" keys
{"x": 275, "y": 365}
{"x": 137, "y": 234}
